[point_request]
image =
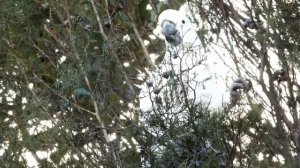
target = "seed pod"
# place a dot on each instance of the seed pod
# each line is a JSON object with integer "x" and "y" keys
{"x": 249, "y": 23}
{"x": 222, "y": 164}
{"x": 149, "y": 83}
{"x": 280, "y": 75}
{"x": 298, "y": 98}
{"x": 238, "y": 86}
{"x": 167, "y": 74}
{"x": 291, "y": 102}
{"x": 156, "y": 90}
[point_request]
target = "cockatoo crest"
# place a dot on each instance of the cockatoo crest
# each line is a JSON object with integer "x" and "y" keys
{"x": 175, "y": 27}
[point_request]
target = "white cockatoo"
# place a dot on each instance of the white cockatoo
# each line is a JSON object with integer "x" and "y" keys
{"x": 202, "y": 75}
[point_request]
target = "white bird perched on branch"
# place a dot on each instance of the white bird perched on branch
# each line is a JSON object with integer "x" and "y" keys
{"x": 185, "y": 61}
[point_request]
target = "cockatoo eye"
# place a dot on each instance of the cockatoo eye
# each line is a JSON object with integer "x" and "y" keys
{"x": 183, "y": 21}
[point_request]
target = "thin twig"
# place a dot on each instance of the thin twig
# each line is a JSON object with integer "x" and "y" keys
{"x": 97, "y": 110}
{"x": 146, "y": 53}
{"x": 107, "y": 12}
{"x": 52, "y": 90}
{"x": 98, "y": 20}
{"x": 114, "y": 55}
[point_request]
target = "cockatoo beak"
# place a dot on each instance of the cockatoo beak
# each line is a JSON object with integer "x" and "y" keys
{"x": 170, "y": 32}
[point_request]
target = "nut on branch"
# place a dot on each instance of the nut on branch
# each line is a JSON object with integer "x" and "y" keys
{"x": 280, "y": 75}
{"x": 156, "y": 90}
{"x": 249, "y": 23}
{"x": 238, "y": 86}
{"x": 291, "y": 102}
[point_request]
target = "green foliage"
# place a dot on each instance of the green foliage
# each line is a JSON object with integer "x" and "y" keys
{"x": 88, "y": 98}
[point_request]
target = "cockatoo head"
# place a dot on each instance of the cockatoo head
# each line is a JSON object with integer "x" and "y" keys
{"x": 172, "y": 26}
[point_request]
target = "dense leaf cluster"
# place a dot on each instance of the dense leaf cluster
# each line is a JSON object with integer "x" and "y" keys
{"x": 66, "y": 89}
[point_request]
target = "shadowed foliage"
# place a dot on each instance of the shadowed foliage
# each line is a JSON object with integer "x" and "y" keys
{"x": 69, "y": 86}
